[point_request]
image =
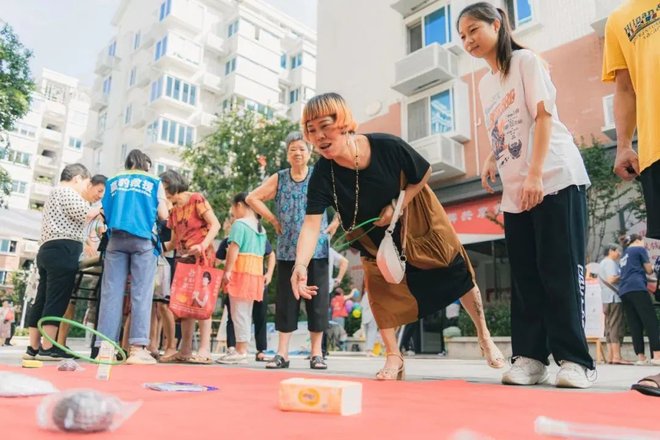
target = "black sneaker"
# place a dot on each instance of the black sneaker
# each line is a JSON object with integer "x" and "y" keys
{"x": 52, "y": 354}
{"x": 30, "y": 353}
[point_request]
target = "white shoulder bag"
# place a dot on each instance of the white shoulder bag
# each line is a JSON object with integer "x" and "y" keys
{"x": 391, "y": 263}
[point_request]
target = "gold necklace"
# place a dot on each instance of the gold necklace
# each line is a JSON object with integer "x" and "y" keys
{"x": 357, "y": 190}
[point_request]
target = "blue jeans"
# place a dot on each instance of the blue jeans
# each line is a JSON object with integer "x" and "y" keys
{"x": 126, "y": 254}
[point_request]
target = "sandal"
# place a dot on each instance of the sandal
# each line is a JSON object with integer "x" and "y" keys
{"x": 261, "y": 357}
{"x": 649, "y": 390}
{"x": 389, "y": 373}
{"x": 176, "y": 358}
{"x": 317, "y": 363}
{"x": 199, "y": 360}
{"x": 277, "y": 362}
{"x": 493, "y": 355}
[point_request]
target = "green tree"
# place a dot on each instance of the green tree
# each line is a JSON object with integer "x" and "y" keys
{"x": 231, "y": 159}
{"x": 19, "y": 283}
{"x": 607, "y": 196}
{"x": 16, "y": 86}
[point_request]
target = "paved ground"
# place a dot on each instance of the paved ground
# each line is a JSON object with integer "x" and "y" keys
{"x": 610, "y": 377}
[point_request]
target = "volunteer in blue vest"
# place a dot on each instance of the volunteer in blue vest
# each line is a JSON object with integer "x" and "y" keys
{"x": 131, "y": 203}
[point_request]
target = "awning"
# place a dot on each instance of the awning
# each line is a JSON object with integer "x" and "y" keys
{"x": 477, "y": 221}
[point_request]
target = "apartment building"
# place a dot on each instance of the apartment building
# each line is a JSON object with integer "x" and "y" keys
{"x": 174, "y": 65}
{"x": 401, "y": 66}
{"x": 46, "y": 139}
{"x": 34, "y": 153}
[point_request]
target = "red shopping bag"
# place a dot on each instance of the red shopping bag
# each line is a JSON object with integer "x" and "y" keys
{"x": 195, "y": 290}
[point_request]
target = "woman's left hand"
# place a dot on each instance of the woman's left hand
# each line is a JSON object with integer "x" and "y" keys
{"x": 532, "y": 192}
{"x": 196, "y": 249}
{"x": 226, "y": 279}
{"x": 385, "y": 216}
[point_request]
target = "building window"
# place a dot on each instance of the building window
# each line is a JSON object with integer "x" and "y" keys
{"x": 520, "y": 12}
{"x": 107, "y": 85}
{"x": 161, "y": 48}
{"x": 171, "y": 132}
{"x": 8, "y": 246}
{"x": 437, "y": 26}
{"x": 232, "y": 28}
{"x": 102, "y": 121}
{"x": 123, "y": 153}
{"x": 230, "y": 66}
{"x": 293, "y": 95}
{"x": 137, "y": 40}
{"x": 26, "y": 130}
{"x": 165, "y": 9}
{"x": 112, "y": 49}
{"x": 415, "y": 37}
{"x": 128, "y": 114}
{"x": 18, "y": 187}
{"x": 431, "y": 115}
{"x": 4, "y": 277}
{"x": 156, "y": 90}
{"x": 75, "y": 143}
{"x": 16, "y": 157}
{"x": 175, "y": 88}
{"x": 283, "y": 58}
{"x": 296, "y": 60}
{"x": 132, "y": 77}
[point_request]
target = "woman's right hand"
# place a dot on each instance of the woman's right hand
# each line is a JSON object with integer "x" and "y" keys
{"x": 489, "y": 171}
{"x": 276, "y": 224}
{"x": 299, "y": 283}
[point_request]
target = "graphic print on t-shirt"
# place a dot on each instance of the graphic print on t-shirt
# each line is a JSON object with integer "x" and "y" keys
{"x": 504, "y": 124}
{"x": 644, "y": 25}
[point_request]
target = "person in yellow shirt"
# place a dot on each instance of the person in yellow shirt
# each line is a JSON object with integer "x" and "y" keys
{"x": 632, "y": 60}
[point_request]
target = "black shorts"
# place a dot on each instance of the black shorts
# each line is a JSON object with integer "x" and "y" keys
{"x": 650, "y": 179}
{"x": 287, "y": 308}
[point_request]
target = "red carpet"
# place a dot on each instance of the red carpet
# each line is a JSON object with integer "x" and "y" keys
{"x": 245, "y": 407}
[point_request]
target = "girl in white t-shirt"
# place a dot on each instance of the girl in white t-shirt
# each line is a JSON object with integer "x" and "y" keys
{"x": 543, "y": 199}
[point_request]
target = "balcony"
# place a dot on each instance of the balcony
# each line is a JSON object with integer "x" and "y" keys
{"x": 106, "y": 63}
{"x": 50, "y": 136}
{"x": 204, "y": 120}
{"x": 99, "y": 101}
{"x": 408, "y": 7}
{"x": 215, "y": 43}
{"x": 609, "y": 129}
{"x": 54, "y": 110}
{"x": 46, "y": 165}
{"x": 139, "y": 118}
{"x": 446, "y": 156}
{"x": 426, "y": 67}
{"x": 603, "y": 9}
{"x": 170, "y": 105}
{"x": 212, "y": 83}
{"x": 172, "y": 63}
{"x": 40, "y": 190}
{"x": 182, "y": 14}
{"x": 95, "y": 141}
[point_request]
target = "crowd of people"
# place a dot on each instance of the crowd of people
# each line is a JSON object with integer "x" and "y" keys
{"x": 360, "y": 177}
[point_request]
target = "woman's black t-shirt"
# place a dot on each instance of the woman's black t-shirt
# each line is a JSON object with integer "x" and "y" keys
{"x": 380, "y": 183}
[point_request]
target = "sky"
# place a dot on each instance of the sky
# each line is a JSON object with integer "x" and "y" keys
{"x": 66, "y": 35}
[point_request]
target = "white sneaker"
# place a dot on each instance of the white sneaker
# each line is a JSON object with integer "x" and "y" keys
{"x": 572, "y": 375}
{"x": 230, "y": 350}
{"x": 233, "y": 358}
{"x": 525, "y": 371}
{"x": 140, "y": 356}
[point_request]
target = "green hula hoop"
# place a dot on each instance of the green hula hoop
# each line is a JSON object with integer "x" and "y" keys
{"x": 122, "y": 353}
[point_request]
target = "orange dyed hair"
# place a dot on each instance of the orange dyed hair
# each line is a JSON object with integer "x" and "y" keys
{"x": 328, "y": 104}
